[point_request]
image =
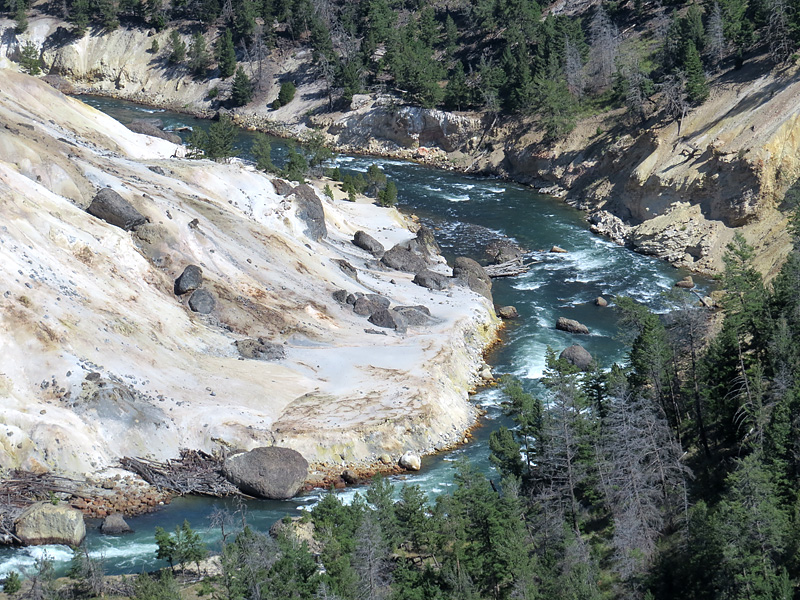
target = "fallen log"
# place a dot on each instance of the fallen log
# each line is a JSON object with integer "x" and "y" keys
{"x": 509, "y": 268}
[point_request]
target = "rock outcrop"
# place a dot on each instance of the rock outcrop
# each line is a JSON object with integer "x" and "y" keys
{"x": 469, "y": 272}
{"x": 577, "y": 355}
{"x": 268, "y": 472}
{"x": 114, "y": 524}
{"x": 46, "y": 523}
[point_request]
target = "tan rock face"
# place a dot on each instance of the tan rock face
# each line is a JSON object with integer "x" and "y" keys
{"x": 45, "y": 523}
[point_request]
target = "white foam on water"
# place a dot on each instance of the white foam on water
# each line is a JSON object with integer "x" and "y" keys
{"x": 456, "y": 198}
{"x": 495, "y": 190}
{"x": 134, "y": 550}
{"x": 24, "y": 559}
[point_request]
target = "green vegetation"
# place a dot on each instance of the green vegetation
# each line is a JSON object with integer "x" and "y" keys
{"x": 217, "y": 144}
{"x": 285, "y": 95}
{"x": 242, "y": 89}
{"x": 225, "y": 54}
{"x": 29, "y": 59}
{"x": 12, "y": 583}
{"x": 262, "y": 150}
{"x": 177, "y": 48}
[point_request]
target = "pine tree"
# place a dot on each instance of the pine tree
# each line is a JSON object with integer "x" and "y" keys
{"x": 79, "y": 16}
{"x": 242, "y": 89}
{"x": 29, "y": 59}
{"x": 199, "y": 58}
{"x": 225, "y": 55}
{"x": 696, "y": 85}
{"x": 262, "y": 150}
{"x": 177, "y": 47}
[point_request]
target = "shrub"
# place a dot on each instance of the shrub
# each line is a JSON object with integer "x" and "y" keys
{"x": 328, "y": 191}
{"x": 177, "y": 48}
{"x": 29, "y": 59}
{"x": 154, "y": 47}
{"x": 286, "y": 94}
{"x": 12, "y": 584}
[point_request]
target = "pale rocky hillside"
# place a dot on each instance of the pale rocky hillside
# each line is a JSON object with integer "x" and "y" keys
{"x": 100, "y": 359}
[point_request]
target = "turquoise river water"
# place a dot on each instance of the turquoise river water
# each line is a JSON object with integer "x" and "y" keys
{"x": 466, "y": 212}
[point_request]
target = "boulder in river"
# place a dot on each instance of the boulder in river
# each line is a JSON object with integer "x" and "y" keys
{"x": 507, "y": 312}
{"x": 47, "y": 523}
{"x": 557, "y": 250}
{"x": 366, "y": 242}
{"x": 189, "y": 280}
{"x": 112, "y": 208}
{"x": 571, "y": 326}
{"x": 577, "y": 355}
{"x": 686, "y": 283}
{"x": 114, "y": 524}
{"x": 267, "y": 472}
{"x": 501, "y": 251}
{"x": 410, "y": 461}
{"x": 600, "y": 301}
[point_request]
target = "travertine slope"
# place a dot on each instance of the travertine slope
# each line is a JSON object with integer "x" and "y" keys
{"x": 100, "y": 359}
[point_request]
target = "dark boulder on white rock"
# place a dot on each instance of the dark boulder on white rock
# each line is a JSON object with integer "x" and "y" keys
{"x": 267, "y": 472}
{"x": 366, "y": 242}
{"x": 310, "y": 211}
{"x": 471, "y": 274}
{"x": 432, "y": 280}
{"x": 202, "y": 301}
{"x": 112, "y": 208}
{"x": 402, "y": 259}
{"x": 189, "y": 280}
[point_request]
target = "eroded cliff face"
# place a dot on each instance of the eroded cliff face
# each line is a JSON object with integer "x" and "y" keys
{"x": 99, "y": 358}
{"x": 678, "y": 191}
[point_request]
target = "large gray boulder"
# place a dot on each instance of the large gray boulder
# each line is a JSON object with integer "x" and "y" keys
{"x": 202, "y": 301}
{"x": 267, "y": 472}
{"x": 410, "y": 461}
{"x": 426, "y": 242}
{"x": 431, "y": 280}
{"x": 112, "y": 208}
{"x": 571, "y": 326}
{"x": 114, "y": 524}
{"x": 389, "y": 319}
{"x": 415, "y": 316}
{"x": 471, "y": 274}
{"x": 366, "y": 242}
{"x": 370, "y": 303}
{"x": 502, "y": 250}
{"x": 189, "y": 280}
{"x": 310, "y": 211}
{"x": 577, "y": 355}
{"x": 46, "y": 523}
{"x": 402, "y": 259}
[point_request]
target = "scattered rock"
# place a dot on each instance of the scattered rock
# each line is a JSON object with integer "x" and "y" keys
{"x": 189, "y": 280}
{"x": 426, "y": 242}
{"x": 347, "y": 268}
{"x": 202, "y": 301}
{"x": 472, "y": 274}
{"x": 486, "y": 374}
{"x": 402, "y": 259}
{"x": 385, "y": 459}
{"x": 260, "y": 349}
{"x": 389, "y": 319}
{"x": 600, "y": 301}
{"x": 268, "y": 472}
{"x": 507, "y": 312}
{"x": 310, "y": 211}
{"x": 340, "y": 296}
{"x": 502, "y": 250}
{"x": 410, "y": 461}
{"x": 46, "y": 523}
{"x": 112, "y": 208}
{"x": 147, "y": 128}
{"x": 114, "y": 524}
{"x": 366, "y": 242}
{"x": 415, "y": 316}
{"x": 686, "y": 283}
{"x": 349, "y": 477}
{"x": 558, "y": 250}
{"x": 571, "y": 326}
{"x": 577, "y": 355}
{"x": 604, "y": 223}
{"x": 431, "y": 280}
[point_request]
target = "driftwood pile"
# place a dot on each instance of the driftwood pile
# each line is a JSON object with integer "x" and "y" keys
{"x": 195, "y": 472}
{"x": 509, "y": 268}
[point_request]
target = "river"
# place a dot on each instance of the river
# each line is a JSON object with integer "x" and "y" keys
{"x": 465, "y": 213}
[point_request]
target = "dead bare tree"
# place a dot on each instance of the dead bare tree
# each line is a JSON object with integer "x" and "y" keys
{"x": 370, "y": 560}
{"x": 778, "y": 30}
{"x": 716, "y": 36}
{"x": 673, "y": 99}
{"x": 605, "y": 48}
{"x": 573, "y": 69}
